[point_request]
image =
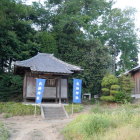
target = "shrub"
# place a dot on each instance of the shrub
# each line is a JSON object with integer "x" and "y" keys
{"x": 10, "y": 87}
{"x": 107, "y": 98}
{"x": 110, "y": 87}
{"x": 126, "y": 84}
{"x": 115, "y": 87}
{"x": 122, "y": 97}
{"x": 105, "y": 91}
{"x": 113, "y": 92}
{"x": 109, "y": 80}
{"x": 121, "y": 90}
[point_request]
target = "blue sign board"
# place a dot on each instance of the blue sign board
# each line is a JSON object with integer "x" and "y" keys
{"x": 77, "y": 87}
{"x": 39, "y": 90}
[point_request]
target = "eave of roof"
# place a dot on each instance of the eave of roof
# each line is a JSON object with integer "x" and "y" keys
{"x": 43, "y": 62}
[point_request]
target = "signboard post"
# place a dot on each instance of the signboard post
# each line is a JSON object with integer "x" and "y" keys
{"x": 77, "y": 87}
{"x": 39, "y": 91}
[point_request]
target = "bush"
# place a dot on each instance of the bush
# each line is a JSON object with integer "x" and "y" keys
{"x": 121, "y": 92}
{"x": 107, "y": 98}
{"x": 10, "y": 87}
{"x": 105, "y": 91}
{"x": 113, "y": 92}
{"x": 109, "y": 80}
{"x": 126, "y": 84}
{"x": 17, "y": 109}
{"x": 122, "y": 97}
{"x": 110, "y": 87}
{"x": 115, "y": 87}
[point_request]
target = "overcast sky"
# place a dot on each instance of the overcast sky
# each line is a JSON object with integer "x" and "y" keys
{"x": 130, "y": 3}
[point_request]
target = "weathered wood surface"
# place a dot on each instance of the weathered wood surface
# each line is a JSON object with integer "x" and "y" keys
{"x": 136, "y": 77}
{"x": 49, "y": 92}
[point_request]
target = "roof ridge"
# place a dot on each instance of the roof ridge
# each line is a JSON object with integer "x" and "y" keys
{"x": 45, "y": 53}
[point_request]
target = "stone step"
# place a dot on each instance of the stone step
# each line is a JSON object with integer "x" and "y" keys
{"x": 60, "y": 112}
{"x": 53, "y": 110}
{"x": 52, "y": 113}
{"x": 47, "y": 114}
{"x": 54, "y": 118}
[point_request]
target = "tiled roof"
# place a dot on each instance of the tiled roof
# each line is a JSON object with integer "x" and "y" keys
{"x": 44, "y": 62}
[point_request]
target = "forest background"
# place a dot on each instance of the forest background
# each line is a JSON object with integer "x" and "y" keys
{"x": 88, "y": 33}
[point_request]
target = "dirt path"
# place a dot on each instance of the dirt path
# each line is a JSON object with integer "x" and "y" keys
{"x": 34, "y": 128}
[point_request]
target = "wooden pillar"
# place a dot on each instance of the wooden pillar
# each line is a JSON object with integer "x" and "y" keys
{"x": 56, "y": 91}
{"x": 59, "y": 90}
{"x": 24, "y": 87}
{"x": 67, "y": 100}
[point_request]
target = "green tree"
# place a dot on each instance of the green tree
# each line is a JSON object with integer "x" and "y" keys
{"x": 16, "y": 43}
{"x": 118, "y": 32}
{"x": 10, "y": 87}
{"x": 126, "y": 87}
{"x": 126, "y": 83}
{"x": 95, "y": 63}
{"x": 74, "y": 22}
{"x": 46, "y": 42}
{"x": 16, "y": 33}
{"x": 110, "y": 85}
{"x": 117, "y": 89}
{"x": 71, "y": 23}
{"x": 86, "y": 33}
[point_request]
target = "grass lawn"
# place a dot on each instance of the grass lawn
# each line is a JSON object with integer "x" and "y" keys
{"x": 106, "y": 123}
{"x": 16, "y": 109}
{"x": 10, "y": 109}
{"x": 76, "y": 108}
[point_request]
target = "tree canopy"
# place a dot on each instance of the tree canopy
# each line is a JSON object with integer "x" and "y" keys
{"x": 88, "y": 33}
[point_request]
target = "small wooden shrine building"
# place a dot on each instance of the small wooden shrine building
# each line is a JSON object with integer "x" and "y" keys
{"x": 48, "y": 67}
{"x": 135, "y": 73}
